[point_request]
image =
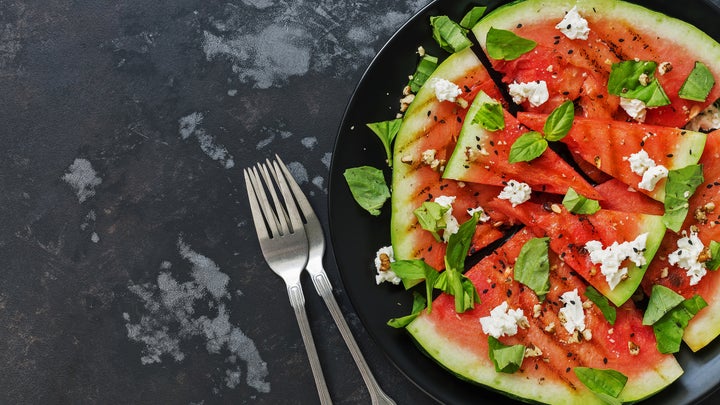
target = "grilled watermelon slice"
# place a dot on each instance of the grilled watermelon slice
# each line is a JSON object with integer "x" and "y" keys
{"x": 459, "y": 344}
{"x": 578, "y": 69}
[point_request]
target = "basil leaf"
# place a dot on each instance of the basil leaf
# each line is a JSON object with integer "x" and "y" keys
{"x": 507, "y": 359}
{"x": 425, "y": 68}
{"x": 459, "y": 244}
{"x": 532, "y": 266}
{"x": 472, "y": 17}
{"x": 449, "y": 34}
{"x": 505, "y": 45}
{"x": 698, "y": 84}
{"x": 412, "y": 272}
{"x": 368, "y": 187}
{"x": 490, "y": 116}
{"x": 431, "y": 217}
{"x": 559, "y": 121}
{"x": 714, "y": 261}
{"x": 452, "y": 281}
{"x": 662, "y": 301}
{"x": 579, "y": 204}
{"x": 635, "y": 79}
{"x": 417, "y": 307}
{"x": 608, "y": 311}
{"x": 680, "y": 186}
{"x": 386, "y": 131}
{"x": 604, "y": 382}
{"x": 527, "y": 147}
{"x": 670, "y": 328}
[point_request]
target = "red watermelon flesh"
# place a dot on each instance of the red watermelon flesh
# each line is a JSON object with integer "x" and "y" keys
{"x": 569, "y": 234}
{"x": 548, "y": 374}
{"x": 619, "y": 196}
{"x": 704, "y": 217}
{"x": 608, "y": 144}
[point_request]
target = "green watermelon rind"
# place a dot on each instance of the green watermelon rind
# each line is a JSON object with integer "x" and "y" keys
{"x": 468, "y": 366}
{"x": 415, "y": 122}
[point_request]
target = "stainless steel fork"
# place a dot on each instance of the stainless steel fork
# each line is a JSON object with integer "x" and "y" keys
{"x": 285, "y": 246}
{"x": 324, "y": 289}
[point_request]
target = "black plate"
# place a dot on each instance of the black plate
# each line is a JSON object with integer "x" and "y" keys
{"x": 356, "y": 235}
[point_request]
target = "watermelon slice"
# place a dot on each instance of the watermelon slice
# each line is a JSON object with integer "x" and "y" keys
{"x": 704, "y": 217}
{"x": 609, "y": 144}
{"x": 578, "y": 69}
{"x": 569, "y": 234}
{"x": 481, "y": 156}
{"x": 459, "y": 344}
{"x": 433, "y": 125}
{"x": 619, "y": 196}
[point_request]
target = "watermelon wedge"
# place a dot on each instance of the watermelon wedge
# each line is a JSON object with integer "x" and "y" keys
{"x": 578, "y": 69}
{"x": 609, "y": 144}
{"x": 481, "y": 156}
{"x": 569, "y": 234}
{"x": 458, "y": 343}
{"x": 619, "y": 196}
{"x": 433, "y": 125}
{"x": 704, "y": 218}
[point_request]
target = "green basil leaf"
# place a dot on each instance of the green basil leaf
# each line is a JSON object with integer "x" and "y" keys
{"x": 662, "y": 301}
{"x": 472, "y": 17}
{"x": 670, "y": 328}
{"x": 431, "y": 217}
{"x": 559, "y": 121}
{"x": 527, "y": 147}
{"x": 452, "y": 281}
{"x": 579, "y": 204}
{"x": 412, "y": 272}
{"x": 449, "y": 34}
{"x": 368, "y": 187}
{"x": 425, "y": 68}
{"x": 505, "y": 45}
{"x": 680, "y": 186}
{"x": 490, "y": 116}
{"x": 714, "y": 261}
{"x": 386, "y": 131}
{"x": 608, "y": 311}
{"x": 532, "y": 266}
{"x": 417, "y": 307}
{"x": 604, "y": 382}
{"x": 626, "y": 80}
{"x": 507, "y": 359}
{"x": 698, "y": 84}
{"x": 459, "y": 244}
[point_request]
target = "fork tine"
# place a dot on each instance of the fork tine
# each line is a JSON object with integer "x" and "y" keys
{"x": 260, "y": 226}
{"x": 292, "y": 209}
{"x": 302, "y": 201}
{"x": 270, "y": 218}
{"x": 281, "y": 212}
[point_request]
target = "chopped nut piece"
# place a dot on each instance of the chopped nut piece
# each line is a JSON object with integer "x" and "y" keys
{"x": 550, "y": 328}
{"x": 705, "y": 255}
{"x": 533, "y": 351}
{"x": 587, "y": 334}
{"x": 407, "y": 90}
{"x": 384, "y": 262}
{"x": 664, "y": 272}
{"x": 587, "y": 304}
{"x": 406, "y": 159}
{"x": 575, "y": 337}
{"x": 556, "y": 208}
{"x": 421, "y": 51}
{"x": 664, "y": 67}
{"x": 633, "y": 348}
{"x": 462, "y": 102}
{"x": 644, "y": 79}
{"x": 537, "y": 310}
{"x": 598, "y": 161}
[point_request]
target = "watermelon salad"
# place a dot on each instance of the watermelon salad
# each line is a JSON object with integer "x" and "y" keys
{"x": 571, "y": 149}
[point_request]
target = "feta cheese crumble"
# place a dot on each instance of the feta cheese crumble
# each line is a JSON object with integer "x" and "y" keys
{"x": 451, "y": 223}
{"x": 383, "y": 257}
{"x": 686, "y": 257}
{"x": 574, "y": 26}
{"x": 536, "y": 93}
{"x": 642, "y": 165}
{"x": 635, "y": 108}
{"x": 611, "y": 258}
{"x": 445, "y": 90}
{"x": 503, "y": 321}
{"x": 640, "y": 162}
{"x": 515, "y": 192}
{"x": 482, "y": 216}
{"x": 572, "y": 315}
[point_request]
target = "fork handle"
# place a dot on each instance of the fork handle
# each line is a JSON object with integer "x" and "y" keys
{"x": 324, "y": 289}
{"x": 297, "y": 300}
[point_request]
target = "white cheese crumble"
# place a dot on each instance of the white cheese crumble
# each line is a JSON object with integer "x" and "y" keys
{"x": 385, "y": 275}
{"x": 451, "y": 223}
{"x": 534, "y": 92}
{"x": 611, "y": 258}
{"x": 515, "y": 192}
{"x": 482, "y": 216}
{"x": 635, "y": 108}
{"x": 642, "y": 165}
{"x": 574, "y": 26}
{"x": 445, "y": 90}
{"x": 640, "y": 162}
{"x": 686, "y": 257}
{"x": 707, "y": 120}
{"x": 503, "y": 322}
{"x": 572, "y": 312}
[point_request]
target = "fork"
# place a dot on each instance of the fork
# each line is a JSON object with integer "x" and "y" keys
{"x": 314, "y": 266}
{"x": 285, "y": 246}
